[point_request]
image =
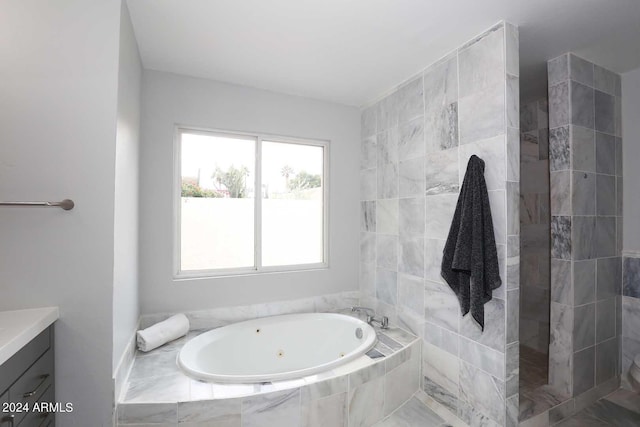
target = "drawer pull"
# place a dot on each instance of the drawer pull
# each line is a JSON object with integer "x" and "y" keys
{"x": 35, "y": 390}
{"x": 8, "y": 419}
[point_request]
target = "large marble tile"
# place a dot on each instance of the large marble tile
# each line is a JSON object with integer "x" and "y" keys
{"x": 411, "y": 293}
{"x": 604, "y": 112}
{"x": 583, "y": 149}
{"x": 321, "y": 389}
{"x": 368, "y": 216}
{"x": 440, "y": 337}
{"x": 529, "y": 146}
{"x": 631, "y": 318}
{"x": 529, "y": 116}
{"x": 441, "y": 306}
{"x": 498, "y": 205}
{"x": 631, "y": 277}
{"x": 561, "y": 283}
{"x": 583, "y": 370}
{"x": 366, "y": 403}
{"x": 368, "y": 184}
{"x": 493, "y": 152}
{"x": 328, "y": 411}
{"x": 584, "y": 282}
{"x": 387, "y": 113}
{"x": 619, "y": 154}
{"x": 561, "y": 348}
{"x": 559, "y": 148}
{"x": 368, "y": 153}
{"x": 387, "y": 181}
{"x": 605, "y": 80}
{"x": 433, "y": 259}
{"x": 613, "y": 414}
{"x": 138, "y": 413}
{"x": 494, "y": 332}
{"x": 411, "y": 255}
{"x": 387, "y": 252}
{"x": 440, "y": 209}
{"x": 410, "y": 100}
{"x": 482, "y": 391}
{"x": 559, "y": 111}
{"x": 441, "y": 172}
{"x": 580, "y": 70}
{"x": 512, "y": 101}
{"x": 584, "y": 330}
{"x": 368, "y": 122}
{"x": 558, "y": 69}
{"x": 367, "y": 247}
{"x": 440, "y": 367}
{"x": 441, "y": 105}
{"x": 412, "y": 217}
{"x": 583, "y": 230}
{"x": 605, "y": 153}
{"x": 440, "y": 395}
{"x": 481, "y": 64}
{"x": 582, "y": 105}
{"x": 279, "y": 408}
{"x": 386, "y": 286}
{"x": 413, "y": 413}
{"x": 224, "y": 412}
{"x": 605, "y": 236}
{"x": 513, "y": 155}
{"x": 172, "y": 388}
{"x": 400, "y": 384}
{"x": 484, "y": 358}
{"x": 607, "y": 356}
{"x": 561, "y": 241}
{"x": 560, "y": 193}
{"x": 386, "y": 216}
{"x": 512, "y": 49}
{"x": 411, "y": 139}
{"x": 583, "y": 193}
{"x": 513, "y": 262}
{"x": 605, "y": 195}
{"x": 605, "y": 319}
{"x": 411, "y": 178}
{"x": 608, "y": 278}
{"x": 482, "y": 114}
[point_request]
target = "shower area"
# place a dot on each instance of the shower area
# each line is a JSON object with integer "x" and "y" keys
{"x": 571, "y": 240}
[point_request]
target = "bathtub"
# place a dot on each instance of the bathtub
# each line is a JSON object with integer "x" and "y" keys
{"x": 276, "y": 348}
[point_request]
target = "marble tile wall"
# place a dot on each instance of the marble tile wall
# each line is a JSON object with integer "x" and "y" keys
{"x": 534, "y": 225}
{"x": 416, "y": 143}
{"x": 586, "y": 227}
{"x": 630, "y": 319}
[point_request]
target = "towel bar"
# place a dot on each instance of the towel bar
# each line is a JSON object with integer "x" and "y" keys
{"x": 66, "y": 204}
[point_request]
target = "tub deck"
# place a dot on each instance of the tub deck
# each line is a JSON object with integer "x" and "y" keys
{"x": 360, "y": 392}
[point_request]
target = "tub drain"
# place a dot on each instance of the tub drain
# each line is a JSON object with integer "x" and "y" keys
{"x": 280, "y": 353}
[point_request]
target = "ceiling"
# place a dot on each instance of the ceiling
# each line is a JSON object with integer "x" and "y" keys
{"x": 351, "y": 52}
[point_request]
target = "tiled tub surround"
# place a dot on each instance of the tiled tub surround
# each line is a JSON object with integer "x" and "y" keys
{"x": 630, "y": 315}
{"x": 359, "y": 393}
{"x": 585, "y": 152}
{"x": 414, "y": 152}
{"x": 534, "y": 227}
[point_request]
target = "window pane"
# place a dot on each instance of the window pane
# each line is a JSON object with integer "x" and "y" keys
{"x": 217, "y": 203}
{"x": 292, "y": 204}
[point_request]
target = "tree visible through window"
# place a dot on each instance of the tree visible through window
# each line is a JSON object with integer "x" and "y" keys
{"x": 226, "y": 225}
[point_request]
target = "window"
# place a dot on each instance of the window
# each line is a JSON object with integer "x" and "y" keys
{"x": 226, "y": 226}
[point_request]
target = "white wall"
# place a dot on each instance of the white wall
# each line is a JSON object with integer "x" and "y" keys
{"x": 631, "y": 154}
{"x": 58, "y": 88}
{"x": 125, "y": 250}
{"x": 169, "y": 99}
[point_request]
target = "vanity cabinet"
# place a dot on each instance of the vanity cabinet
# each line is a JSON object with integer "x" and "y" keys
{"x": 26, "y": 381}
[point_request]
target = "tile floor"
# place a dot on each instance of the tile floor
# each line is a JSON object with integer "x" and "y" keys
{"x": 414, "y": 413}
{"x": 619, "y": 409}
{"x": 536, "y": 396}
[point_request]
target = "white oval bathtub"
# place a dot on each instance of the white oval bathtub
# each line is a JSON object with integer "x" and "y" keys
{"x": 276, "y": 348}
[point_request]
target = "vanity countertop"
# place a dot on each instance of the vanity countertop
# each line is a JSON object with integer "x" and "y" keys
{"x": 18, "y": 327}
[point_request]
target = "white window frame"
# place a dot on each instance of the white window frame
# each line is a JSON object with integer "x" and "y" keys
{"x": 178, "y": 273}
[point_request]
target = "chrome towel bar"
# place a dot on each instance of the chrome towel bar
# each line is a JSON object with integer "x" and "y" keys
{"x": 66, "y": 204}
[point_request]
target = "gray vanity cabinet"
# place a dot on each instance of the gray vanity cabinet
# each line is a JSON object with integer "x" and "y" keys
{"x": 26, "y": 382}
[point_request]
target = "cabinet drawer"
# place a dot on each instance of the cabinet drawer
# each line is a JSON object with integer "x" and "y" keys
{"x": 11, "y": 370}
{"x": 39, "y": 419}
{"x": 32, "y": 385}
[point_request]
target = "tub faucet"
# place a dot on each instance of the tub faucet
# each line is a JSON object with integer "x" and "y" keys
{"x": 383, "y": 322}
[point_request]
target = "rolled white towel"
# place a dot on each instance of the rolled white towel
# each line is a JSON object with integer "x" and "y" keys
{"x": 163, "y": 332}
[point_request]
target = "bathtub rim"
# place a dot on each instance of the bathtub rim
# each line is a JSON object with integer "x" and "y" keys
{"x": 372, "y": 339}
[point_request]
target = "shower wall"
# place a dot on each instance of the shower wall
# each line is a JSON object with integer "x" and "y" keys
{"x": 534, "y": 225}
{"x": 415, "y": 147}
{"x": 585, "y": 148}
